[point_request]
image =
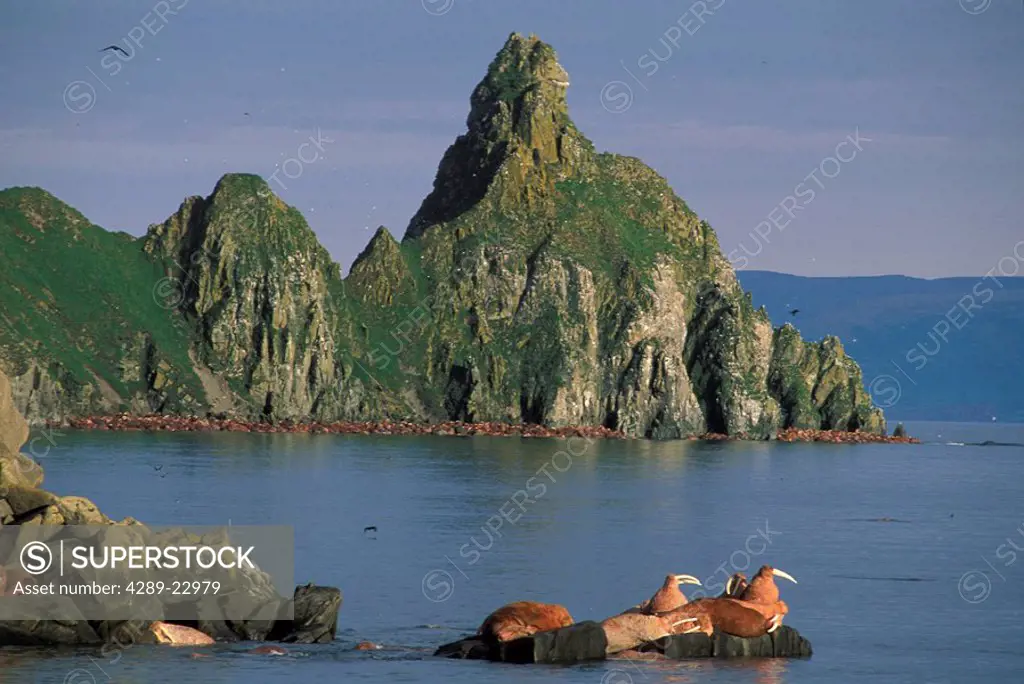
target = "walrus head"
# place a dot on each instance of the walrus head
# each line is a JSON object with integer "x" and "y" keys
{"x": 681, "y": 579}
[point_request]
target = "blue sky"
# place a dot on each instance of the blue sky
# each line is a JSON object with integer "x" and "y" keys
{"x": 745, "y": 102}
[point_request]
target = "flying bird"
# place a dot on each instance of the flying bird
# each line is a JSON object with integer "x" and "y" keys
{"x": 794, "y": 312}
{"x": 115, "y": 47}
{"x": 368, "y": 530}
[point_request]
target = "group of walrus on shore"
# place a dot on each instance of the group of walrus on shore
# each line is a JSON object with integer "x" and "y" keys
{"x": 744, "y": 609}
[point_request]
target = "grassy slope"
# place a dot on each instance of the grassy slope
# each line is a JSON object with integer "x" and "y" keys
{"x": 86, "y": 295}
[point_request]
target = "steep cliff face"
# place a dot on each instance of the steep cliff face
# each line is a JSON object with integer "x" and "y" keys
{"x": 256, "y": 287}
{"x": 819, "y": 386}
{"x": 16, "y": 469}
{"x": 571, "y": 287}
{"x": 540, "y": 281}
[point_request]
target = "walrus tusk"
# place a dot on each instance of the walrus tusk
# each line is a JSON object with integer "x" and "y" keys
{"x": 776, "y": 622}
{"x": 688, "y": 579}
{"x": 676, "y": 624}
{"x": 783, "y": 575}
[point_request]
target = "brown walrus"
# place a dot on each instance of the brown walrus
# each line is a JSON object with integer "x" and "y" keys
{"x": 735, "y": 587}
{"x": 669, "y": 597}
{"x": 629, "y": 630}
{"x": 267, "y": 650}
{"x": 728, "y": 615}
{"x": 762, "y": 588}
{"x": 524, "y": 618}
{"x": 178, "y": 635}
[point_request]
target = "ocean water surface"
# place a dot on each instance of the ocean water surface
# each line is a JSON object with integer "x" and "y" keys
{"x": 904, "y": 554}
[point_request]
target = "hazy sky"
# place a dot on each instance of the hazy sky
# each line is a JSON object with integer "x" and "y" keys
{"x": 736, "y": 108}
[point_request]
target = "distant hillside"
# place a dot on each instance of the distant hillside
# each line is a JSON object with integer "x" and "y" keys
{"x": 972, "y": 371}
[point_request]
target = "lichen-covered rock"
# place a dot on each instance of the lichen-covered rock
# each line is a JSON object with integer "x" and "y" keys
{"x": 819, "y": 386}
{"x": 256, "y": 286}
{"x": 539, "y": 282}
{"x": 77, "y": 510}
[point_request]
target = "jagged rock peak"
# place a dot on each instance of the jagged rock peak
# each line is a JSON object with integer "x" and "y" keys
{"x": 518, "y": 123}
{"x": 382, "y": 243}
{"x": 379, "y": 271}
{"x": 523, "y": 68}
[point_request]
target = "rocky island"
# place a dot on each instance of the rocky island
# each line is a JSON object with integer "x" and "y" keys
{"x": 541, "y": 282}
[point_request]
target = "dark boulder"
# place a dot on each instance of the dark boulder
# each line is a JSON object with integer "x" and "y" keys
{"x": 47, "y": 633}
{"x": 686, "y": 646}
{"x": 582, "y": 641}
{"x": 729, "y": 646}
{"x": 314, "y": 621}
{"x": 787, "y": 643}
{"x": 471, "y": 648}
{"x": 315, "y": 618}
{"x": 587, "y": 641}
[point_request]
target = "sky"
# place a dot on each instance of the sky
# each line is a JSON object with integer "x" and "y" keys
{"x": 743, "y": 105}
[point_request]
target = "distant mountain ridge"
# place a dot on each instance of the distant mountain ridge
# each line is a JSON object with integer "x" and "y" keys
{"x": 539, "y": 282}
{"x": 942, "y": 349}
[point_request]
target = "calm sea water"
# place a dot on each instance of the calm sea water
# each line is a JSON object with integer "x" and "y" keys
{"x": 902, "y": 552}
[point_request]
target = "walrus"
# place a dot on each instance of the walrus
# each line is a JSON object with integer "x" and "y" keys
{"x": 179, "y": 635}
{"x": 523, "y": 618}
{"x": 629, "y": 630}
{"x": 669, "y": 597}
{"x": 728, "y": 615}
{"x": 762, "y": 588}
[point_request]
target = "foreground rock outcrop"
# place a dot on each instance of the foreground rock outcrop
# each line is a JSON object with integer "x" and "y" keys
{"x": 540, "y": 282}
{"x": 587, "y": 641}
{"x": 314, "y": 610}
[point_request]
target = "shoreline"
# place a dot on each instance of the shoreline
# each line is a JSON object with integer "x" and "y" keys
{"x": 124, "y": 422}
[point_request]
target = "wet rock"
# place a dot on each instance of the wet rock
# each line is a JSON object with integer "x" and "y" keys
{"x": 472, "y": 648}
{"x": 47, "y": 633}
{"x": 587, "y": 641}
{"x": 788, "y": 643}
{"x": 582, "y": 641}
{"x": 686, "y": 646}
{"x": 729, "y": 646}
{"x": 315, "y": 618}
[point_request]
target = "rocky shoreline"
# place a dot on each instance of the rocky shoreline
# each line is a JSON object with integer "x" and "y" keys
{"x": 837, "y": 437}
{"x": 308, "y": 616}
{"x": 125, "y": 422}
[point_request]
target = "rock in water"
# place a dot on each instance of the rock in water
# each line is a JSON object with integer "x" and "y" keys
{"x": 590, "y": 641}
{"x": 316, "y": 616}
{"x": 579, "y": 642}
{"x": 316, "y": 608}
{"x": 539, "y": 282}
